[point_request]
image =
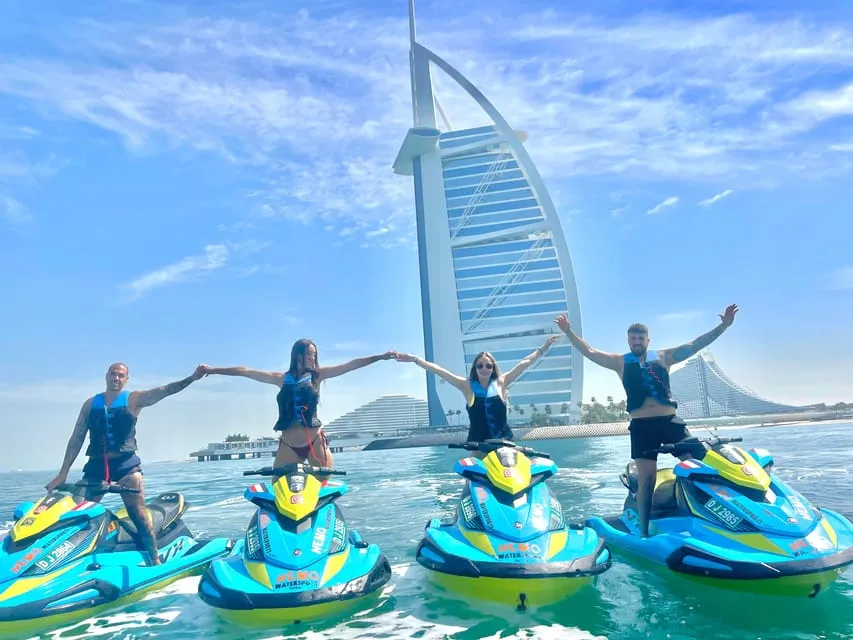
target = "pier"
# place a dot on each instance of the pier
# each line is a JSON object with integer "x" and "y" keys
{"x": 260, "y": 448}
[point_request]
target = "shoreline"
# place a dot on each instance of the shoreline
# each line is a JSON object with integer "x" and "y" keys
{"x": 567, "y": 432}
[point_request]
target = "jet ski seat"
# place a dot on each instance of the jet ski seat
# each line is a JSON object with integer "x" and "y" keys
{"x": 164, "y": 510}
{"x": 663, "y": 498}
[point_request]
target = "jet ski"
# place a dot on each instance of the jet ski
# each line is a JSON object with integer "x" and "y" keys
{"x": 298, "y": 559}
{"x": 508, "y": 541}
{"x": 724, "y": 517}
{"x": 66, "y": 556}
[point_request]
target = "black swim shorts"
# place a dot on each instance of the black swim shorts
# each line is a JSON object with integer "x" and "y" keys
{"x": 480, "y": 434}
{"x": 120, "y": 466}
{"x": 650, "y": 433}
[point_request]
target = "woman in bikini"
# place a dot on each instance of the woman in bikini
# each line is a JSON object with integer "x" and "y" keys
{"x": 302, "y": 436}
{"x": 485, "y": 390}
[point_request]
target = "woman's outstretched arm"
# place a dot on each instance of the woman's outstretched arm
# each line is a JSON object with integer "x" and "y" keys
{"x": 457, "y": 381}
{"x": 512, "y": 375}
{"x": 269, "y": 377}
{"x": 340, "y": 369}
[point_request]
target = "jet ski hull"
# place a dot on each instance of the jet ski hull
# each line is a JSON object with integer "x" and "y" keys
{"x": 100, "y": 582}
{"x": 722, "y": 517}
{"x": 475, "y": 564}
{"x": 753, "y": 562}
{"x": 256, "y": 592}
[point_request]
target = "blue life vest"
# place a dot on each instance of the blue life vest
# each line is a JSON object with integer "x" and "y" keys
{"x": 487, "y": 411}
{"x": 111, "y": 429}
{"x": 297, "y": 402}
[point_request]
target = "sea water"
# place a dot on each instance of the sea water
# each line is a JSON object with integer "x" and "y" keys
{"x": 394, "y": 493}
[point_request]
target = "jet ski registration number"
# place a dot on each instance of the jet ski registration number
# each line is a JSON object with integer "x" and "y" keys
{"x": 723, "y": 513}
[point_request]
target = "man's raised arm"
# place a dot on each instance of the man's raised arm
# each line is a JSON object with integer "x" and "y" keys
{"x": 681, "y": 353}
{"x": 611, "y": 361}
{"x": 140, "y": 399}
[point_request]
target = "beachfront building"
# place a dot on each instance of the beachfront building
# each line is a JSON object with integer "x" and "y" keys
{"x": 703, "y": 390}
{"x": 388, "y": 414}
{"x": 494, "y": 265}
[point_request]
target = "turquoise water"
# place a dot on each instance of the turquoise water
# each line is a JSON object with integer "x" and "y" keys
{"x": 393, "y": 494}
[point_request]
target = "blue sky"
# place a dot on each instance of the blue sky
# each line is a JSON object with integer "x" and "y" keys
{"x": 207, "y": 182}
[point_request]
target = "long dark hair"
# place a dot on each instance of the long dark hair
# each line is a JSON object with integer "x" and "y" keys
{"x": 484, "y": 354}
{"x": 299, "y": 350}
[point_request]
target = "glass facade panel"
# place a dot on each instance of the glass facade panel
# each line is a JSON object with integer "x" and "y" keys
{"x": 516, "y": 299}
{"x": 522, "y": 310}
{"x": 502, "y": 269}
{"x": 511, "y": 173}
{"x": 546, "y": 275}
{"x": 524, "y": 287}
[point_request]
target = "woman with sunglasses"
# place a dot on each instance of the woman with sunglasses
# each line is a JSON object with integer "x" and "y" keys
{"x": 485, "y": 390}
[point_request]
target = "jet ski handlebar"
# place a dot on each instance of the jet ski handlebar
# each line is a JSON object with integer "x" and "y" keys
{"x": 104, "y": 487}
{"x": 287, "y": 469}
{"x": 490, "y": 445}
{"x": 689, "y": 444}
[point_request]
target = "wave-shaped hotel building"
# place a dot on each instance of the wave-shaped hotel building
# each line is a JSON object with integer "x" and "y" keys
{"x": 494, "y": 265}
{"x": 703, "y": 390}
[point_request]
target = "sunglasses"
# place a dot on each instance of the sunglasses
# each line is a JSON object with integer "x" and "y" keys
{"x": 484, "y": 365}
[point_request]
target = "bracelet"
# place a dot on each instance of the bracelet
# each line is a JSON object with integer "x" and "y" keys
{"x": 539, "y": 349}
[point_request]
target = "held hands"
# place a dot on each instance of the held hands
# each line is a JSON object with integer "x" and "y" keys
{"x": 404, "y": 357}
{"x": 200, "y": 371}
{"x": 389, "y": 355}
{"x": 728, "y": 316}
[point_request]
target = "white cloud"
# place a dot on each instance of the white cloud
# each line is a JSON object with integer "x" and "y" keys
{"x": 13, "y": 211}
{"x": 319, "y": 122}
{"x": 716, "y": 198}
{"x": 215, "y": 256}
{"x": 679, "y": 316}
{"x": 841, "y": 278}
{"x": 669, "y": 202}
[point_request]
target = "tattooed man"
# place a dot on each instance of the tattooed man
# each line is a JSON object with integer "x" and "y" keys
{"x": 645, "y": 377}
{"x": 110, "y": 420}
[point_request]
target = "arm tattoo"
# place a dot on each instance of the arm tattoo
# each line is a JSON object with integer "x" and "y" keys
{"x": 692, "y": 348}
{"x": 153, "y": 396}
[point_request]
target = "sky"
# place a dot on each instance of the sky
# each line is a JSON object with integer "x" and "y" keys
{"x": 190, "y": 182}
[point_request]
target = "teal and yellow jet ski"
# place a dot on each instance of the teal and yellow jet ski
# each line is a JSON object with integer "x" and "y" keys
{"x": 67, "y": 558}
{"x": 722, "y": 516}
{"x": 508, "y": 541}
{"x": 298, "y": 560}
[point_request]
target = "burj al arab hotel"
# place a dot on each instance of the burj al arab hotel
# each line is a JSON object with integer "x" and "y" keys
{"x": 494, "y": 265}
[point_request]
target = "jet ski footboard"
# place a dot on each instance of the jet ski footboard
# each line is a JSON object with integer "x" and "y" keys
{"x": 106, "y": 593}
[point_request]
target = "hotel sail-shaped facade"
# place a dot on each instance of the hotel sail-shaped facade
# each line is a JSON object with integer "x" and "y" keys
{"x": 494, "y": 265}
